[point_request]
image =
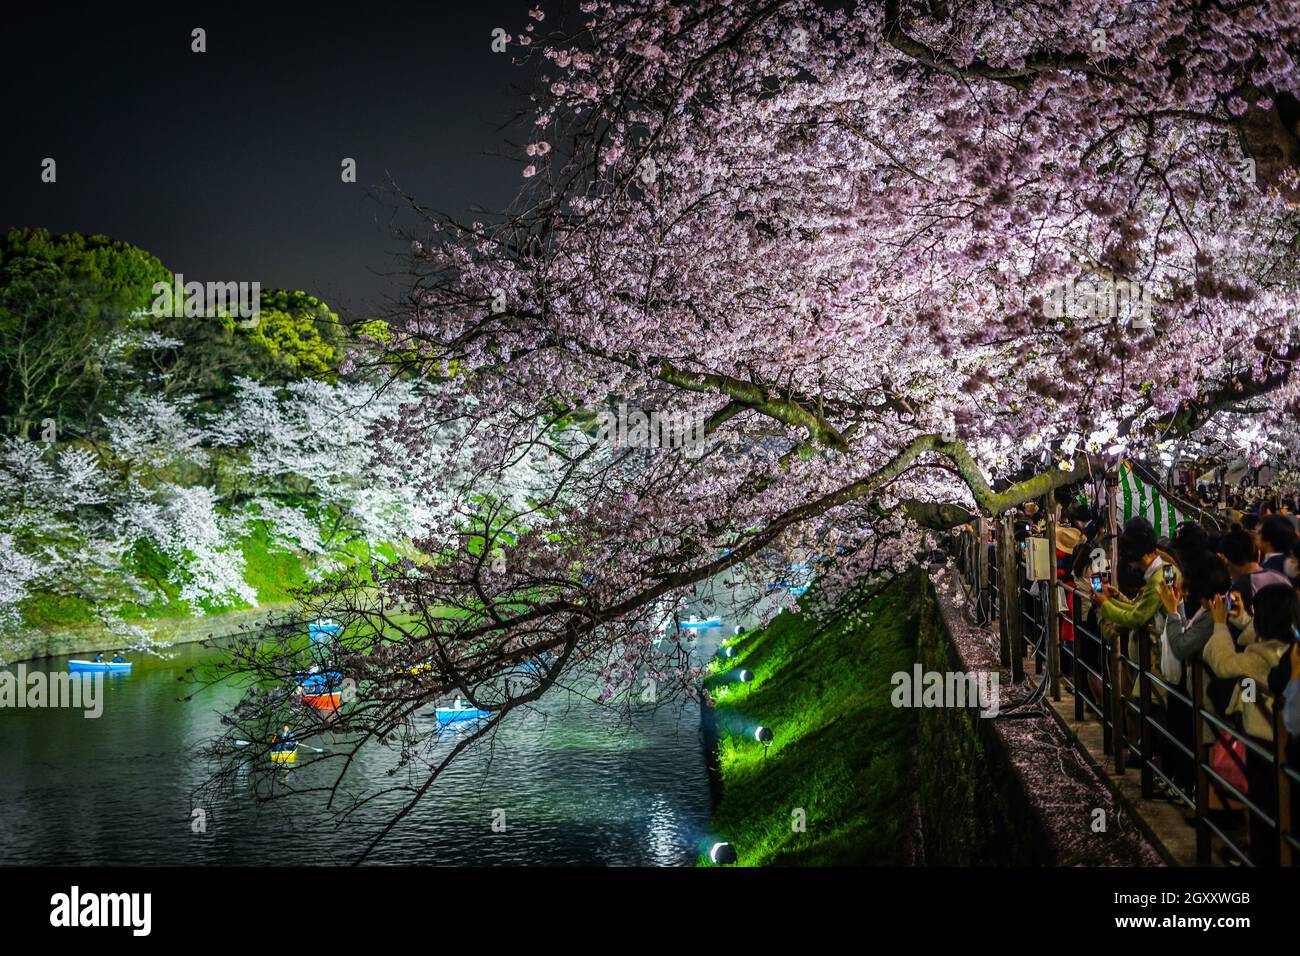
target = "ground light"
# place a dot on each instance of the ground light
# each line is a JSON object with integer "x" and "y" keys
{"x": 722, "y": 854}
{"x": 763, "y": 735}
{"x": 726, "y": 652}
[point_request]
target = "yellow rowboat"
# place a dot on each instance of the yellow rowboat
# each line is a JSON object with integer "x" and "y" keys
{"x": 284, "y": 756}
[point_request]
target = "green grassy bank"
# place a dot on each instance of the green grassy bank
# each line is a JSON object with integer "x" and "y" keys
{"x": 841, "y": 752}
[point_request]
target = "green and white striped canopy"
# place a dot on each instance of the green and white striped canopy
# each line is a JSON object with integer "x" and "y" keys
{"x": 1136, "y": 497}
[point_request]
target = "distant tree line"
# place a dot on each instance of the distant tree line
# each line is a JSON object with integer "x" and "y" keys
{"x": 76, "y": 326}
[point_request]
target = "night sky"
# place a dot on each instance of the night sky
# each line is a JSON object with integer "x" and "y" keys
{"x": 226, "y": 164}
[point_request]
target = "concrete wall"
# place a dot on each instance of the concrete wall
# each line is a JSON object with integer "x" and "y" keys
{"x": 1012, "y": 790}
{"x": 36, "y": 642}
{"x": 973, "y": 807}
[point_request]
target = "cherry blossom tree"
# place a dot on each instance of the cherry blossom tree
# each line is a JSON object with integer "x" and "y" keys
{"x": 307, "y": 461}
{"x": 902, "y": 261}
{"x": 326, "y": 439}
{"x": 59, "y": 534}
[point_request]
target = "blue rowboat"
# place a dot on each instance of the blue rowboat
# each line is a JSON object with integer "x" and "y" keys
{"x": 460, "y": 710}
{"x": 320, "y": 680}
{"x": 537, "y": 666}
{"x": 707, "y": 622}
{"x": 323, "y": 632}
{"x": 116, "y": 667}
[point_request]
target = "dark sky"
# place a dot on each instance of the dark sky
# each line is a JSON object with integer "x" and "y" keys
{"x": 226, "y": 165}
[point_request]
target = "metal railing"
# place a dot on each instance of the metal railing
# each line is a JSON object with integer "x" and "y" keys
{"x": 1134, "y": 702}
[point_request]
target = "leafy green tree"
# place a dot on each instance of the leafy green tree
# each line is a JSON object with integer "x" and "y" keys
{"x": 63, "y": 297}
{"x": 77, "y": 331}
{"x": 301, "y": 332}
{"x": 296, "y": 336}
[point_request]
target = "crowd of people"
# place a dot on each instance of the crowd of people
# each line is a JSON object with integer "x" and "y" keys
{"x": 1222, "y": 604}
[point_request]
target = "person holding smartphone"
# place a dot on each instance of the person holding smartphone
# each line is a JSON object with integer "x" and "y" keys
{"x": 1138, "y": 546}
{"x": 1265, "y": 643}
{"x": 1241, "y": 551}
{"x": 1143, "y": 617}
{"x": 1189, "y": 624}
{"x": 1188, "y": 630}
{"x": 1088, "y": 581}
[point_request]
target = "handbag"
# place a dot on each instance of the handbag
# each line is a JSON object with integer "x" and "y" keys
{"x": 1228, "y": 760}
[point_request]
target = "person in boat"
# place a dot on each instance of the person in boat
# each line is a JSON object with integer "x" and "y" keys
{"x": 119, "y": 659}
{"x": 99, "y": 658}
{"x": 284, "y": 742}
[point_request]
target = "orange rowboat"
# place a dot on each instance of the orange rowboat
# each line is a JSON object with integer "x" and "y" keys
{"x": 323, "y": 701}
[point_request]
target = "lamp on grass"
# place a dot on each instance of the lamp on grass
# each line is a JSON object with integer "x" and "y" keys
{"x": 723, "y": 854}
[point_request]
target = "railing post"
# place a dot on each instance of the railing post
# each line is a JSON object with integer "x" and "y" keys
{"x": 1201, "y": 751}
{"x": 1040, "y": 633}
{"x": 1112, "y": 523}
{"x": 1118, "y": 715}
{"x": 1107, "y": 718}
{"x": 1015, "y": 613}
{"x": 1077, "y": 675}
{"x": 1115, "y": 688}
{"x": 1004, "y": 617}
{"x": 1144, "y": 714}
{"x": 1285, "y": 856}
{"x": 981, "y": 569}
{"x": 1053, "y": 605}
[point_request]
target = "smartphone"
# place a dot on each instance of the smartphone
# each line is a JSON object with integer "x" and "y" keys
{"x": 1170, "y": 575}
{"x": 1096, "y": 583}
{"x": 1228, "y": 602}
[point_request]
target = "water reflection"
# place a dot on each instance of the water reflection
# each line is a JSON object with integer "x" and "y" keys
{"x": 572, "y": 785}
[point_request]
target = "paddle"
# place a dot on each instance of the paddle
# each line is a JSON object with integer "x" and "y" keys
{"x": 249, "y": 743}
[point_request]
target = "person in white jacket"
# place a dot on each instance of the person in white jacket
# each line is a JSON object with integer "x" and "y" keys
{"x": 1264, "y": 642}
{"x": 1262, "y": 646}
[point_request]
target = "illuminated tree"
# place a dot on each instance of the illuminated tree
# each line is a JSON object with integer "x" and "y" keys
{"x": 904, "y": 260}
